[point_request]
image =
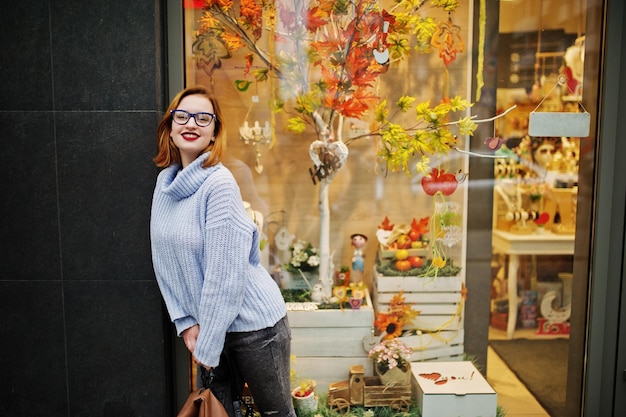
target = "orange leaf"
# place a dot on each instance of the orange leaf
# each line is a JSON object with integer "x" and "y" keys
{"x": 251, "y": 11}
{"x": 233, "y": 42}
{"x": 225, "y": 5}
{"x": 422, "y": 226}
{"x": 386, "y": 224}
{"x": 249, "y": 60}
{"x": 315, "y": 18}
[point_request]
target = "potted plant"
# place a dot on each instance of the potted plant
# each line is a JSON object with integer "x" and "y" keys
{"x": 302, "y": 269}
{"x": 305, "y": 398}
{"x": 391, "y": 362}
{"x": 304, "y": 257}
{"x": 342, "y": 276}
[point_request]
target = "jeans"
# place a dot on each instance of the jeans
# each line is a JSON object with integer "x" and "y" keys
{"x": 263, "y": 360}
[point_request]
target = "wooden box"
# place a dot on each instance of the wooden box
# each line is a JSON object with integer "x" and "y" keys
{"x": 390, "y": 253}
{"x": 444, "y": 389}
{"x": 325, "y": 343}
{"x": 375, "y": 394}
{"x": 440, "y": 321}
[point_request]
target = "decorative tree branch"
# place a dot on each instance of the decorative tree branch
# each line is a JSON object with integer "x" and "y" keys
{"x": 348, "y": 44}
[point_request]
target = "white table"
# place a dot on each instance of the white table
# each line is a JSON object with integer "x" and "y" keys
{"x": 514, "y": 245}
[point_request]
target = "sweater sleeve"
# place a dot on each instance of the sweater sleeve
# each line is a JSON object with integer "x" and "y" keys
{"x": 167, "y": 270}
{"x": 229, "y": 237}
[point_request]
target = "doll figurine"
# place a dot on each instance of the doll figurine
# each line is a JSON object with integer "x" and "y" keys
{"x": 358, "y": 243}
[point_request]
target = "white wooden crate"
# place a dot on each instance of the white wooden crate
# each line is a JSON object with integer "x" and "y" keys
{"x": 439, "y": 300}
{"x": 440, "y": 321}
{"x": 325, "y": 343}
{"x": 445, "y": 345}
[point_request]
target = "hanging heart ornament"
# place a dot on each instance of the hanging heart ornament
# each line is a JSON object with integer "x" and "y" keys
{"x": 331, "y": 156}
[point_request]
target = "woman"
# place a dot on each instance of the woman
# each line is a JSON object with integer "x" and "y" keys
{"x": 206, "y": 256}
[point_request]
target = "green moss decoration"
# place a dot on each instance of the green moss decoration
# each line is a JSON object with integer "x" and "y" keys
{"x": 296, "y": 295}
{"x": 304, "y": 296}
{"x": 386, "y": 267}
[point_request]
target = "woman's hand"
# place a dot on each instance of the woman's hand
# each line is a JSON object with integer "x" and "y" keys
{"x": 190, "y": 336}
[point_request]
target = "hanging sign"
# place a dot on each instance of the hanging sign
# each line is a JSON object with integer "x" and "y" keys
{"x": 557, "y": 124}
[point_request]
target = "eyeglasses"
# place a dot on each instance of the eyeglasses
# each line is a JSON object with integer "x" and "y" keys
{"x": 181, "y": 117}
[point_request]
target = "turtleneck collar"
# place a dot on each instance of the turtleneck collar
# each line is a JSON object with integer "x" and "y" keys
{"x": 181, "y": 183}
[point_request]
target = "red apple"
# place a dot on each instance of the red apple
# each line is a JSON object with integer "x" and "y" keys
{"x": 416, "y": 261}
{"x": 414, "y": 235}
{"x": 404, "y": 242}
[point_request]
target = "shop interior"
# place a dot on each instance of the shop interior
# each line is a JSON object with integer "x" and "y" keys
{"x": 535, "y": 197}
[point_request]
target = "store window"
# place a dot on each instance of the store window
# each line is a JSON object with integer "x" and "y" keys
{"x": 326, "y": 181}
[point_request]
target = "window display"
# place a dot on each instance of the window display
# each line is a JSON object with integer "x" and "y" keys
{"x": 320, "y": 68}
{"x": 350, "y": 128}
{"x": 353, "y": 121}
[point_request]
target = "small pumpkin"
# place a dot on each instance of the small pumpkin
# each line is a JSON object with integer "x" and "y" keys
{"x": 403, "y": 265}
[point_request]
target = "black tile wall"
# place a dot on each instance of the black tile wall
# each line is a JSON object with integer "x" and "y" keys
{"x": 105, "y": 54}
{"x": 26, "y": 64}
{"x": 83, "y": 330}
{"x": 29, "y": 215}
{"x": 106, "y": 177}
{"x": 115, "y": 348}
{"x": 32, "y": 349}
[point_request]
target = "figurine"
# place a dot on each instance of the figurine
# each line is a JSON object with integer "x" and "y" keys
{"x": 317, "y": 293}
{"x": 358, "y": 243}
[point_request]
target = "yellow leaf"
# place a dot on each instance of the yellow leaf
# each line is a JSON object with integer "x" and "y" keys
{"x": 296, "y": 125}
{"x": 405, "y": 102}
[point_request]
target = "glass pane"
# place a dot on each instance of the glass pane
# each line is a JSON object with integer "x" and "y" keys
{"x": 296, "y": 180}
{"x": 541, "y": 51}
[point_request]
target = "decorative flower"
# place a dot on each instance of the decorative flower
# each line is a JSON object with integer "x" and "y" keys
{"x": 304, "y": 257}
{"x": 392, "y": 322}
{"x": 389, "y": 354}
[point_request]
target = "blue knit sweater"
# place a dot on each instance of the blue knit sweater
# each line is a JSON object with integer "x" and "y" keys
{"x": 206, "y": 257}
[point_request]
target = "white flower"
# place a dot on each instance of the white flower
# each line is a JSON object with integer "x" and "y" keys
{"x": 314, "y": 260}
{"x": 304, "y": 257}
